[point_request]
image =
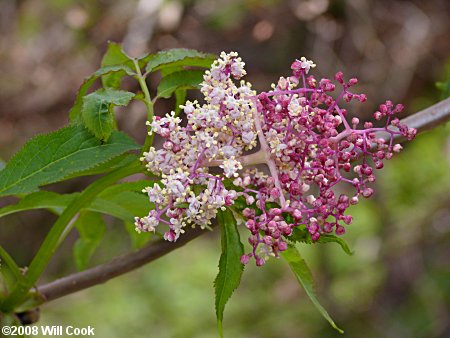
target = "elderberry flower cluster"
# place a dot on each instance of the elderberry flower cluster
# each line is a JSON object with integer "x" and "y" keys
{"x": 220, "y": 129}
{"x": 310, "y": 148}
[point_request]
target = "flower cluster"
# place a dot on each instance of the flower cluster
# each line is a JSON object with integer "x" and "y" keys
{"x": 220, "y": 129}
{"x": 306, "y": 141}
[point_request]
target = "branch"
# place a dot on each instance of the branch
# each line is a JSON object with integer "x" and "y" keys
{"x": 426, "y": 119}
{"x": 429, "y": 118}
{"x": 116, "y": 267}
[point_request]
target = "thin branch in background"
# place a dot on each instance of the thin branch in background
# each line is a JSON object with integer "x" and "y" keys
{"x": 427, "y": 119}
{"x": 116, "y": 267}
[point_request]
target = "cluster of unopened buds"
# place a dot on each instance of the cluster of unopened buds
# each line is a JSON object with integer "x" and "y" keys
{"x": 305, "y": 140}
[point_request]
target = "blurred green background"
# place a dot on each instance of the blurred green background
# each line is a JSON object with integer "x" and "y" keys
{"x": 397, "y": 284}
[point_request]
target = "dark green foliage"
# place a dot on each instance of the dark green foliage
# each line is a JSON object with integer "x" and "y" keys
{"x": 75, "y": 112}
{"x": 115, "y": 56}
{"x": 305, "y": 279}
{"x": 91, "y": 228}
{"x": 230, "y": 267}
{"x": 186, "y": 79}
{"x": 97, "y": 112}
{"x": 178, "y": 58}
{"x": 53, "y": 157}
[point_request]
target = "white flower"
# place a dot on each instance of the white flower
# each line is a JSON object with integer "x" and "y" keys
{"x": 147, "y": 223}
{"x": 230, "y": 167}
{"x": 228, "y": 151}
{"x": 248, "y": 137}
{"x": 307, "y": 64}
{"x": 310, "y": 199}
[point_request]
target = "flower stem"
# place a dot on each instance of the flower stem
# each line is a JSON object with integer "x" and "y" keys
{"x": 266, "y": 150}
{"x": 148, "y": 104}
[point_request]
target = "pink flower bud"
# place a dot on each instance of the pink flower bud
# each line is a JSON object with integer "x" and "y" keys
{"x": 170, "y": 236}
{"x": 339, "y": 77}
{"x": 340, "y": 230}
{"x": 354, "y": 200}
{"x": 399, "y": 108}
{"x": 260, "y": 261}
{"x": 328, "y": 227}
{"x": 248, "y": 213}
{"x": 282, "y": 246}
{"x": 397, "y": 148}
{"x": 267, "y": 240}
{"x": 379, "y": 165}
{"x": 275, "y": 193}
{"x": 275, "y": 212}
{"x": 250, "y": 224}
{"x": 352, "y": 81}
{"x": 348, "y": 219}
{"x": 367, "y": 192}
{"x": 315, "y": 237}
{"x": 245, "y": 259}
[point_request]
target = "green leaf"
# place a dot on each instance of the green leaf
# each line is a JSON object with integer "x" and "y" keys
{"x": 123, "y": 201}
{"x": 305, "y": 279}
{"x": 57, "y": 234}
{"x": 301, "y": 235}
{"x": 108, "y": 207}
{"x": 115, "y": 56}
{"x": 136, "y": 186}
{"x": 97, "y": 112}
{"x": 53, "y": 157}
{"x": 40, "y": 200}
{"x": 230, "y": 267}
{"x": 338, "y": 240}
{"x": 91, "y": 227}
{"x": 75, "y": 112}
{"x": 110, "y": 165}
{"x": 180, "y": 99}
{"x": 178, "y": 57}
{"x": 9, "y": 262}
{"x": 182, "y": 205}
{"x": 186, "y": 79}
{"x": 138, "y": 240}
{"x": 134, "y": 203}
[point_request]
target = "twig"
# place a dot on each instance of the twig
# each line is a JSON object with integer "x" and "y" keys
{"x": 429, "y": 118}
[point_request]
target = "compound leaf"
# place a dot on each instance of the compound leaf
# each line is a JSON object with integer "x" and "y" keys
{"x": 122, "y": 201}
{"x": 186, "y": 79}
{"x": 115, "y": 56}
{"x": 301, "y": 235}
{"x": 305, "y": 279}
{"x": 138, "y": 240}
{"x": 230, "y": 266}
{"x": 40, "y": 200}
{"x": 332, "y": 238}
{"x": 52, "y": 157}
{"x": 75, "y": 112}
{"x": 178, "y": 57}
{"x": 97, "y": 112}
{"x": 110, "y": 165}
{"x": 91, "y": 228}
